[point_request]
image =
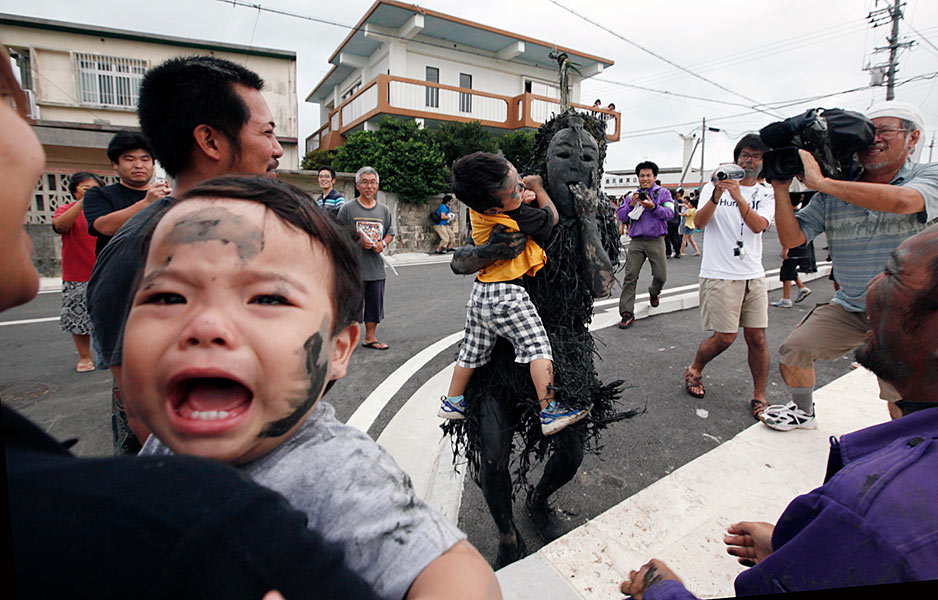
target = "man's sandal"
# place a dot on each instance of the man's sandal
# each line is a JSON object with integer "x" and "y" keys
{"x": 758, "y": 407}
{"x": 693, "y": 385}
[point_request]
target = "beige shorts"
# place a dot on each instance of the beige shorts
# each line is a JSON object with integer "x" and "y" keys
{"x": 828, "y": 332}
{"x": 728, "y": 304}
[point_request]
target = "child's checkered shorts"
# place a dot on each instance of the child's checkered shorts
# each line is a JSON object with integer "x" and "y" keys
{"x": 502, "y": 309}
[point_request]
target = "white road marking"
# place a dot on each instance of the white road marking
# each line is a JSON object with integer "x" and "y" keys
{"x": 28, "y": 321}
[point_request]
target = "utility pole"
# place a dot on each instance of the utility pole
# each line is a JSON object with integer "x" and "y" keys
{"x": 703, "y": 146}
{"x": 888, "y": 71}
{"x": 931, "y": 147}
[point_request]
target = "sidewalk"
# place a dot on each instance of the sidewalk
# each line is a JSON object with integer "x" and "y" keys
{"x": 681, "y": 518}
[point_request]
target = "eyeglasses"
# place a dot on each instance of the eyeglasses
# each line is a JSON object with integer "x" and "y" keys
{"x": 888, "y": 133}
{"x": 747, "y": 156}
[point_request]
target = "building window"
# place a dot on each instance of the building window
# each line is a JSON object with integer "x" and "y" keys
{"x": 20, "y": 57}
{"x": 465, "y": 100}
{"x": 109, "y": 80}
{"x": 433, "y": 94}
{"x": 351, "y": 91}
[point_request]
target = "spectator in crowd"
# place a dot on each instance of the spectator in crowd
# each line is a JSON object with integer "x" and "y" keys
{"x": 788, "y": 274}
{"x": 107, "y": 208}
{"x": 371, "y": 221}
{"x": 732, "y": 279}
{"x": 329, "y": 198}
{"x": 443, "y": 219}
{"x": 646, "y": 213}
{"x": 864, "y": 222}
{"x": 874, "y": 521}
{"x": 226, "y": 127}
{"x": 688, "y": 226}
{"x": 596, "y": 105}
{"x": 77, "y": 262}
{"x": 672, "y": 239}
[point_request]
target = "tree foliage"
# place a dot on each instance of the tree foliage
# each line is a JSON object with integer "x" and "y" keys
{"x": 518, "y": 147}
{"x": 458, "y": 139}
{"x": 407, "y": 158}
{"x": 318, "y": 158}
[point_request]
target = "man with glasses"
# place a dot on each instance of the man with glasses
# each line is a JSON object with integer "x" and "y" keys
{"x": 733, "y": 215}
{"x": 864, "y": 221}
{"x": 371, "y": 220}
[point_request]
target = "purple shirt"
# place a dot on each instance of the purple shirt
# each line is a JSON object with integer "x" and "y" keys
{"x": 874, "y": 521}
{"x": 654, "y": 221}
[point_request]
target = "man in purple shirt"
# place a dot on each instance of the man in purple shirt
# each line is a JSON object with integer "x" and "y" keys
{"x": 875, "y": 519}
{"x": 647, "y": 212}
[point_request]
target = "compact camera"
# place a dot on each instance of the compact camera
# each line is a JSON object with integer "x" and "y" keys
{"x": 739, "y": 252}
{"x": 642, "y": 195}
{"x": 728, "y": 171}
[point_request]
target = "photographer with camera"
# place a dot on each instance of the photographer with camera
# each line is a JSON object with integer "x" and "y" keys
{"x": 865, "y": 221}
{"x": 733, "y": 212}
{"x": 646, "y": 212}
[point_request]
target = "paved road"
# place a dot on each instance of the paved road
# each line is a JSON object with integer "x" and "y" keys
{"x": 425, "y": 304}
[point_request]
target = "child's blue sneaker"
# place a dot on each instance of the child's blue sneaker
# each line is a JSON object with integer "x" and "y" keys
{"x": 452, "y": 407}
{"x": 556, "y": 416}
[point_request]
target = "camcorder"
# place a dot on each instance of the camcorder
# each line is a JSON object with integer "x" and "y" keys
{"x": 833, "y": 136}
{"x": 728, "y": 171}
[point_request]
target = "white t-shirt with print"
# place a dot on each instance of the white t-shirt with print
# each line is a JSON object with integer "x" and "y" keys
{"x": 726, "y": 227}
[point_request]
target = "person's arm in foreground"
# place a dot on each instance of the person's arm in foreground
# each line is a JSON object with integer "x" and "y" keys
{"x": 652, "y": 579}
{"x": 501, "y": 245}
{"x": 459, "y": 573}
{"x": 789, "y": 230}
{"x": 883, "y": 197}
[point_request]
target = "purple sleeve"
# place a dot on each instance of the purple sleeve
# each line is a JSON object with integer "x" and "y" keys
{"x": 668, "y": 590}
{"x": 661, "y": 211}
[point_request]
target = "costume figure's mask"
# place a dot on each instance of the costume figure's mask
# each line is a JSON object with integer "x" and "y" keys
{"x": 572, "y": 157}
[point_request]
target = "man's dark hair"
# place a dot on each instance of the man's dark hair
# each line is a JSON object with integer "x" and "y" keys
{"x": 126, "y": 141}
{"x": 751, "y": 141}
{"x": 477, "y": 179}
{"x": 80, "y": 177}
{"x": 647, "y": 164}
{"x": 183, "y": 93}
{"x": 326, "y": 168}
{"x": 446, "y": 199}
{"x": 297, "y": 208}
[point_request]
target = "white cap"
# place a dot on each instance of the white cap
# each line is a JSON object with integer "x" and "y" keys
{"x": 901, "y": 110}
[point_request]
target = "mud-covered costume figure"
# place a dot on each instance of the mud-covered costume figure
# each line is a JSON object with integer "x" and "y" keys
{"x": 501, "y": 401}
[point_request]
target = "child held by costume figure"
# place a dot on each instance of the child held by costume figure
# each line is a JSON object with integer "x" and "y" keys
{"x": 245, "y": 314}
{"x": 499, "y": 304}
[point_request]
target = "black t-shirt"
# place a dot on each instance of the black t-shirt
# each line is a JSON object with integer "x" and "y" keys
{"x": 112, "y": 280}
{"x": 101, "y": 201}
{"x": 533, "y": 221}
{"x": 156, "y": 527}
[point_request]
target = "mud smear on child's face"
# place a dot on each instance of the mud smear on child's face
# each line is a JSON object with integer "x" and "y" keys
{"x": 217, "y": 223}
{"x": 317, "y": 367}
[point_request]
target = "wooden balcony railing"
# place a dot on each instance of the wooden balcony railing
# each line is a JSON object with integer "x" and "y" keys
{"x": 386, "y": 94}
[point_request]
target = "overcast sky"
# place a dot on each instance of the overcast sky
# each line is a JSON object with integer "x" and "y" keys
{"x": 770, "y": 52}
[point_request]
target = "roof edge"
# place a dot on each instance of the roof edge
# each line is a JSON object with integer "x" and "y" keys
{"x": 81, "y": 29}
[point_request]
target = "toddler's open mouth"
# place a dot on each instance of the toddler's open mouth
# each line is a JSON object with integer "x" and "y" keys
{"x": 209, "y": 400}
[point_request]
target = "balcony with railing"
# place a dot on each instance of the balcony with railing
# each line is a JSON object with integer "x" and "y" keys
{"x": 404, "y": 97}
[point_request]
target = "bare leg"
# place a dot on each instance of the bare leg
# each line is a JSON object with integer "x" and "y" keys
{"x": 690, "y": 238}
{"x": 542, "y": 374}
{"x": 370, "y": 333}
{"x": 758, "y": 360}
{"x": 797, "y": 377}
{"x": 786, "y": 290}
{"x": 711, "y": 347}
{"x": 83, "y": 345}
{"x": 799, "y": 283}
{"x": 461, "y": 377}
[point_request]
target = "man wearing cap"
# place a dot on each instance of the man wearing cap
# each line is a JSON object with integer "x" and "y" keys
{"x": 864, "y": 221}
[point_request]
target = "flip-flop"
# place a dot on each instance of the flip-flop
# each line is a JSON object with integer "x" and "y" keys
{"x": 85, "y": 367}
{"x": 691, "y": 382}
{"x": 758, "y": 407}
{"x": 375, "y": 345}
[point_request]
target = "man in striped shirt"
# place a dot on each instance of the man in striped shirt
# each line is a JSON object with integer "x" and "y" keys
{"x": 864, "y": 221}
{"x": 330, "y": 199}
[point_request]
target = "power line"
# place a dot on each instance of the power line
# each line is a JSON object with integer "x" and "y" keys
{"x": 756, "y": 103}
{"x": 778, "y": 105}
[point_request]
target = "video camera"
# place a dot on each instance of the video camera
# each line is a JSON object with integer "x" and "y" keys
{"x": 833, "y": 136}
{"x": 728, "y": 171}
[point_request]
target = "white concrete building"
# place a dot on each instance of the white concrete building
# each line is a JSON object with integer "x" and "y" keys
{"x": 411, "y": 62}
{"x": 82, "y": 81}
